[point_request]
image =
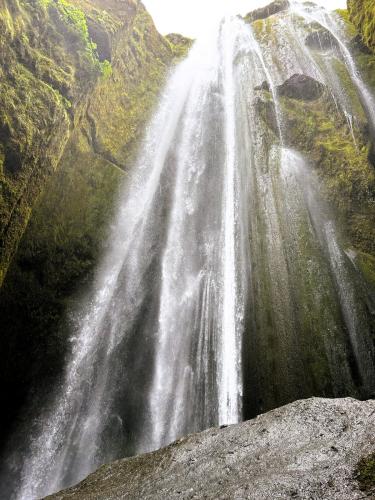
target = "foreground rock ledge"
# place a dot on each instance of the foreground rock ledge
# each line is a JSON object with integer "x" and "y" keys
{"x": 305, "y": 450}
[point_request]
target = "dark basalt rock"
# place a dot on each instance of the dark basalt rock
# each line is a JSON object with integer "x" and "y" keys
{"x": 309, "y": 4}
{"x": 267, "y": 11}
{"x": 266, "y": 110}
{"x": 357, "y": 44}
{"x": 321, "y": 39}
{"x": 102, "y": 38}
{"x": 301, "y": 87}
{"x": 264, "y": 86}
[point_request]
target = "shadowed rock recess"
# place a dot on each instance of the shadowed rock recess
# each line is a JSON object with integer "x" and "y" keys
{"x": 307, "y": 450}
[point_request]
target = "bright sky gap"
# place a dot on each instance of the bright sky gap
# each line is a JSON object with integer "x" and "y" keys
{"x": 190, "y": 17}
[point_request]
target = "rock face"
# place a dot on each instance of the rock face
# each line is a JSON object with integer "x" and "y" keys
{"x": 179, "y": 43}
{"x": 308, "y": 449}
{"x": 267, "y": 11}
{"x": 301, "y": 87}
{"x": 312, "y": 127}
{"x": 321, "y": 39}
{"x": 263, "y": 86}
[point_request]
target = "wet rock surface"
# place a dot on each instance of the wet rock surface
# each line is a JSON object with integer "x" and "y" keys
{"x": 307, "y": 449}
{"x": 321, "y": 39}
{"x": 301, "y": 87}
{"x": 267, "y": 11}
{"x": 264, "y": 86}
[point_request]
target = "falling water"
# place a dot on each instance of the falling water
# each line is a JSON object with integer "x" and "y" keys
{"x": 171, "y": 275}
{"x": 329, "y": 22}
{"x": 225, "y": 272}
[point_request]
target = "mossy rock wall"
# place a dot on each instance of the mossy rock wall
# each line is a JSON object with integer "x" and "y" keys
{"x": 321, "y": 132}
{"x": 67, "y": 227}
{"x": 48, "y": 67}
{"x": 342, "y": 157}
{"x": 362, "y": 14}
{"x": 68, "y": 64}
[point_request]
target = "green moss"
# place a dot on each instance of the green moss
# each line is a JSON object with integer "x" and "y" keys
{"x": 366, "y": 263}
{"x": 366, "y": 64}
{"x": 75, "y": 19}
{"x": 48, "y": 67}
{"x": 348, "y": 88}
{"x": 130, "y": 96}
{"x": 354, "y": 19}
{"x": 6, "y": 23}
{"x": 45, "y": 3}
{"x": 258, "y": 27}
{"x": 365, "y": 474}
{"x": 362, "y": 15}
{"x": 47, "y": 77}
{"x": 106, "y": 68}
{"x": 345, "y": 17}
{"x": 180, "y": 45}
{"x": 55, "y": 258}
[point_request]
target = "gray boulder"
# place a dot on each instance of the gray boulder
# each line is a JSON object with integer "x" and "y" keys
{"x": 305, "y": 450}
{"x": 301, "y": 87}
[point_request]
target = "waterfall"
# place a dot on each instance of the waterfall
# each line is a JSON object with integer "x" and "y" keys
{"x": 225, "y": 271}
